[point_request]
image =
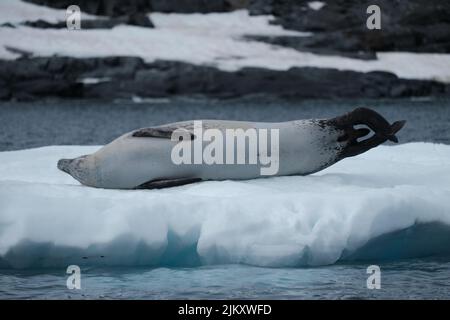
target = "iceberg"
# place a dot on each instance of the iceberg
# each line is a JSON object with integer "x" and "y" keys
{"x": 389, "y": 203}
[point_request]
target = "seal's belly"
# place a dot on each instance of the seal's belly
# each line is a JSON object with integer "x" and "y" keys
{"x": 298, "y": 147}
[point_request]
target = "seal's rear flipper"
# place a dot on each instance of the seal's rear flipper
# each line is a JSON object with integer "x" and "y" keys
{"x": 357, "y": 147}
{"x": 363, "y": 116}
{"x": 395, "y": 127}
{"x": 167, "y": 183}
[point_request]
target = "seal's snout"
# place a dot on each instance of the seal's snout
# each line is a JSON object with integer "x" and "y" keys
{"x": 64, "y": 165}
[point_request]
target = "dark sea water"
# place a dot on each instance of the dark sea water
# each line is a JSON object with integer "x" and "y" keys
{"x": 36, "y": 124}
{"x": 27, "y": 125}
{"x": 409, "y": 279}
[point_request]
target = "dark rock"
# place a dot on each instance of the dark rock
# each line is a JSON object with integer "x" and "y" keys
{"x": 114, "y": 67}
{"x": 318, "y": 44}
{"x": 112, "y": 8}
{"x": 56, "y": 65}
{"x": 5, "y": 93}
{"x": 135, "y": 19}
{"x": 139, "y": 19}
{"x": 47, "y": 88}
{"x": 42, "y": 24}
{"x": 22, "y": 53}
{"x": 188, "y": 6}
{"x": 125, "y": 77}
{"x": 340, "y": 26}
{"x": 261, "y": 7}
{"x": 400, "y": 90}
{"x": 117, "y": 8}
{"x": 7, "y": 25}
{"x": 152, "y": 82}
{"x": 107, "y": 90}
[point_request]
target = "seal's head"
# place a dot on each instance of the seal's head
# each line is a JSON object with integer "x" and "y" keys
{"x": 80, "y": 168}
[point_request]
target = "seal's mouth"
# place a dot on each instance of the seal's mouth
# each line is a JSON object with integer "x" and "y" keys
{"x": 64, "y": 165}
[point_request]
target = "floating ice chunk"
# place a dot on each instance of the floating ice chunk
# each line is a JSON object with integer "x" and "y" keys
{"x": 388, "y": 203}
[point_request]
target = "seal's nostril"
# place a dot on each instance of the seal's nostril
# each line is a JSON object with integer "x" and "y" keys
{"x": 63, "y": 165}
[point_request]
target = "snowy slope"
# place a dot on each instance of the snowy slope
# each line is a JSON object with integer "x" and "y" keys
{"x": 16, "y": 11}
{"x": 215, "y": 39}
{"x": 47, "y": 219}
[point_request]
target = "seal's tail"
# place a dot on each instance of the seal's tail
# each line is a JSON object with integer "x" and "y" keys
{"x": 395, "y": 127}
{"x": 382, "y": 129}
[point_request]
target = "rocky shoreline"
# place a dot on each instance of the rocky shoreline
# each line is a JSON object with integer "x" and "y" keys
{"x": 338, "y": 28}
{"x": 28, "y": 79}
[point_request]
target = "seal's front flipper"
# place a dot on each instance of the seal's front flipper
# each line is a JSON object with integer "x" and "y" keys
{"x": 162, "y": 132}
{"x": 153, "y": 133}
{"x": 167, "y": 183}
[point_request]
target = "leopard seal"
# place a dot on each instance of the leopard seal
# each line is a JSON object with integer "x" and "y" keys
{"x": 141, "y": 159}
